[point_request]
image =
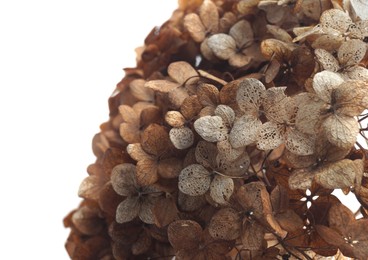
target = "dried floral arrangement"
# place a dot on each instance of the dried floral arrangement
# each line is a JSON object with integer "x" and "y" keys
{"x": 230, "y": 135}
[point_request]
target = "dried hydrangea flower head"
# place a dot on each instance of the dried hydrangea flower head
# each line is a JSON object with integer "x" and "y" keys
{"x": 229, "y": 137}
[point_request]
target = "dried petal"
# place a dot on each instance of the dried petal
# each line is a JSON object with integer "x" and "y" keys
{"x": 182, "y": 138}
{"x": 249, "y": 93}
{"x": 341, "y": 131}
{"x": 194, "y": 25}
{"x": 182, "y": 72}
{"x": 226, "y": 113}
{"x": 301, "y": 179}
{"x": 123, "y": 179}
{"x": 211, "y": 128}
{"x": 155, "y": 140}
{"x": 244, "y": 131}
{"x": 169, "y": 168}
{"x": 194, "y": 180}
{"x": 146, "y": 172}
{"x": 137, "y": 153}
{"x": 225, "y": 224}
{"x": 128, "y": 209}
{"x": 242, "y": 33}
{"x": 205, "y": 154}
{"x": 324, "y": 82}
{"x": 327, "y": 60}
{"x": 223, "y": 45}
{"x": 208, "y": 95}
{"x": 161, "y": 85}
{"x": 270, "y": 136}
{"x": 175, "y": 119}
{"x": 209, "y": 16}
{"x": 335, "y": 19}
{"x": 140, "y": 92}
{"x": 184, "y": 234}
{"x": 221, "y": 189}
{"x": 299, "y": 143}
{"x": 252, "y": 235}
{"x": 351, "y": 52}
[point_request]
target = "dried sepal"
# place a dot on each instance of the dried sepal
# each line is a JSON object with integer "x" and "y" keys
{"x": 211, "y": 128}
{"x": 334, "y": 20}
{"x": 270, "y": 136}
{"x": 155, "y": 140}
{"x": 226, "y": 113}
{"x": 248, "y": 95}
{"x": 194, "y": 180}
{"x": 182, "y": 72}
{"x": 223, "y": 45}
{"x": 225, "y": 224}
{"x": 327, "y": 60}
{"x": 252, "y": 235}
{"x": 301, "y": 179}
{"x": 181, "y": 138}
{"x": 245, "y": 131}
{"x": 140, "y": 92}
{"x": 325, "y": 82}
{"x": 351, "y": 52}
{"x": 208, "y": 95}
{"x": 184, "y": 234}
{"x": 175, "y": 119}
{"x": 205, "y": 154}
{"x": 161, "y": 85}
{"x": 221, "y": 189}
{"x": 127, "y": 210}
{"x": 123, "y": 179}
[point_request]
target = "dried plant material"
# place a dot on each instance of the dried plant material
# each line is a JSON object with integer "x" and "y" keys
{"x": 226, "y": 224}
{"x": 228, "y": 137}
{"x": 211, "y": 128}
{"x": 124, "y": 182}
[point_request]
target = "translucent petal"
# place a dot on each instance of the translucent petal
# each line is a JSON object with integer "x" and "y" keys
{"x": 339, "y": 175}
{"x": 177, "y": 96}
{"x": 279, "y": 33}
{"x": 206, "y": 153}
{"x": 335, "y": 19}
{"x": 145, "y": 214}
{"x": 222, "y": 45}
{"x": 301, "y": 179}
{"x": 252, "y": 235}
{"x": 227, "y": 152}
{"x": 123, "y": 179}
{"x": 299, "y": 143}
{"x": 351, "y": 52}
{"x": 351, "y": 98}
{"x": 221, "y": 189}
{"x": 275, "y": 102}
{"x": 341, "y": 131}
{"x": 237, "y": 167}
{"x": 327, "y": 60}
{"x": 182, "y": 138}
{"x": 128, "y": 209}
{"x": 357, "y": 73}
{"x": 225, "y": 224}
{"x": 360, "y": 8}
{"x": 226, "y": 113}
{"x": 211, "y": 128}
{"x": 182, "y": 72}
{"x": 137, "y": 153}
{"x": 195, "y": 27}
{"x": 209, "y": 16}
{"x": 194, "y": 180}
{"x": 147, "y": 172}
{"x": 242, "y": 33}
{"x": 328, "y": 42}
{"x": 324, "y": 82}
{"x": 270, "y": 136}
{"x": 244, "y": 131}
{"x": 248, "y": 95}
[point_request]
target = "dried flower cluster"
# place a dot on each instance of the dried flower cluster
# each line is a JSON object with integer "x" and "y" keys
{"x": 229, "y": 137}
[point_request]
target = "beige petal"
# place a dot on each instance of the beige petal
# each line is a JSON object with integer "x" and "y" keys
{"x": 237, "y": 167}
{"x": 221, "y": 189}
{"x": 175, "y": 119}
{"x": 270, "y": 136}
{"x": 357, "y": 73}
{"x": 155, "y": 140}
{"x": 351, "y": 98}
{"x": 209, "y": 16}
{"x": 279, "y": 33}
{"x": 90, "y": 187}
{"x": 226, "y": 21}
{"x": 244, "y": 131}
{"x": 195, "y": 27}
{"x": 182, "y": 138}
{"x": 339, "y": 175}
{"x": 299, "y": 143}
{"x": 351, "y": 52}
{"x": 275, "y": 103}
{"x": 182, "y": 72}
{"x": 247, "y": 6}
{"x": 276, "y": 49}
{"x": 360, "y": 8}
{"x": 335, "y": 19}
{"x": 140, "y": 92}
{"x": 328, "y": 42}
{"x": 128, "y": 114}
{"x": 207, "y": 51}
{"x": 239, "y": 60}
{"x": 301, "y": 179}
{"x": 327, "y": 60}
{"x": 194, "y": 180}
{"x": 249, "y": 93}
{"x": 226, "y": 152}
{"x": 242, "y": 33}
{"x": 324, "y": 82}
{"x": 127, "y": 210}
{"x": 222, "y": 45}
{"x": 130, "y": 133}
{"x": 211, "y": 128}
{"x": 161, "y": 85}
{"x": 341, "y": 131}
{"x": 304, "y": 32}
{"x": 136, "y": 152}
{"x": 145, "y": 214}
{"x": 226, "y": 113}
{"x": 177, "y": 96}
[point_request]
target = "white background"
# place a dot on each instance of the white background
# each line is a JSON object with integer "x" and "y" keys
{"x": 59, "y": 62}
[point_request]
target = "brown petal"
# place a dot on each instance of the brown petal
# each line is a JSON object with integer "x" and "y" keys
{"x": 184, "y": 234}
{"x": 194, "y": 25}
{"x": 221, "y": 189}
{"x": 335, "y": 19}
{"x": 128, "y": 209}
{"x": 190, "y": 107}
{"x": 140, "y": 92}
{"x": 175, "y": 119}
{"x": 142, "y": 244}
{"x": 165, "y": 211}
{"x": 161, "y": 85}
{"x": 279, "y": 33}
{"x": 146, "y": 172}
{"x": 225, "y": 224}
{"x": 155, "y": 140}
{"x": 209, "y": 16}
{"x": 329, "y": 235}
{"x": 275, "y": 49}
{"x": 252, "y": 235}
{"x": 270, "y": 136}
{"x": 123, "y": 179}
{"x": 242, "y": 33}
{"x": 170, "y": 167}
{"x": 205, "y": 154}
{"x": 128, "y": 114}
{"x": 182, "y": 72}
{"x": 301, "y": 179}
{"x": 130, "y": 132}
{"x": 351, "y": 52}
{"x": 208, "y": 95}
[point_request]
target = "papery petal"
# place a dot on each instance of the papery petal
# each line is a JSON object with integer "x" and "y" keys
{"x": 222, "y": 45}
{"x": 324, "y": 82}
{"x": 221, "y": 189}
{"x": 270, "y": 136}
{"x": 194, "y": 180}
{"x": 244, "y": 131}
{"x": 211, "y": 128}
{"x": 128, "y": 209}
